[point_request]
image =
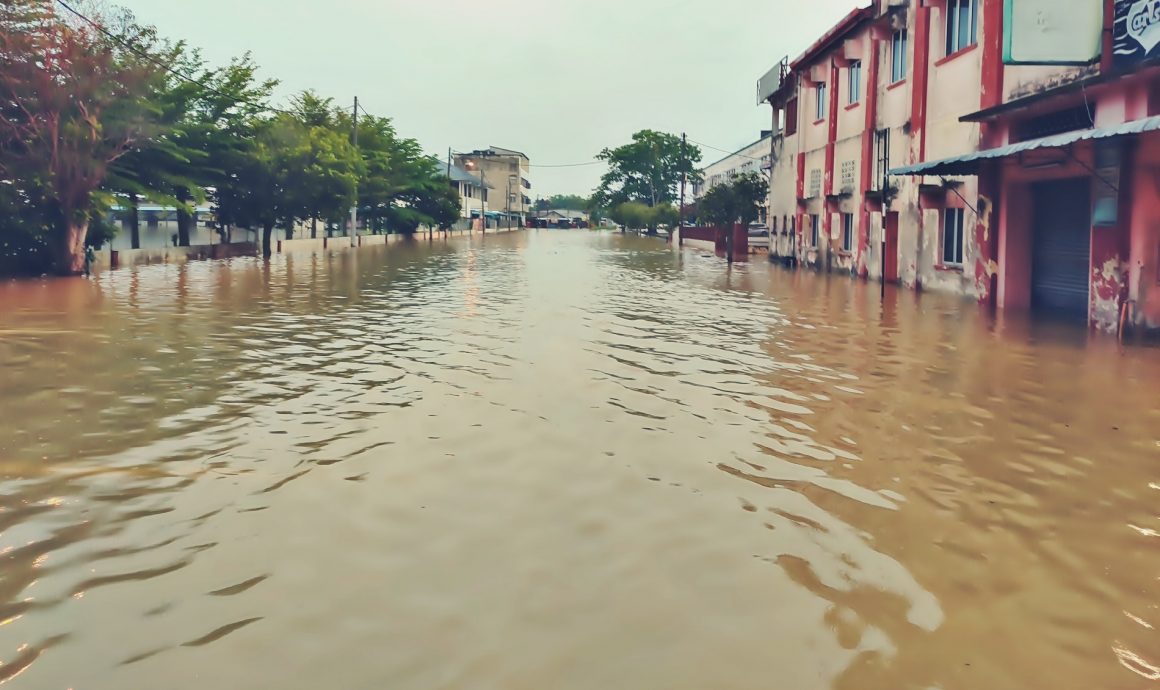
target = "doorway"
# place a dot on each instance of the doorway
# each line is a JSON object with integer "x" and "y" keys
{"x": 1061, "y": 249}
{"x": 890, "y": 248}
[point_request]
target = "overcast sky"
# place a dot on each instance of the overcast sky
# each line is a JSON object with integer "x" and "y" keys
{"x": 556, "y": 79}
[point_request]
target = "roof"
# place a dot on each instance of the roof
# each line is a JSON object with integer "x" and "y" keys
{"x": 838, "y": 32}
{"x": 458, "y": 174}
{"x": 968, "y": 164}
{"x": 498, "y": 151}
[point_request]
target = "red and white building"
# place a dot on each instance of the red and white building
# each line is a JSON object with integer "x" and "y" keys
{"x": 1007, "y": 150}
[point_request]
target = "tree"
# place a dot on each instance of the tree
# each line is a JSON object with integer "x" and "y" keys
{"x": 234, "y": 110}
{"x": 631, "y": 215}
{"x": 648, "y": 170}
{"x": 401, "y": 187}
{"x": 565, "y": 202}
{"x": 665, "y": 214}
{"x": 170, "y": 167}
{"x": 259, "y": 195}
{"x": 736, "y": 201}
{"x": 71, "y": 104}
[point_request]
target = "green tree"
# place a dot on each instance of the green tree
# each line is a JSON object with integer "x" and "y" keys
{"x": 736, "y": 201}
{"x": 261, "y": 194}
{"x": 71, "y": 104}
{"x": 566, "y": 202}
{"x": 631, "y": 215}
{"x": 325, "y": 168}
{"x": 648, "y": 170}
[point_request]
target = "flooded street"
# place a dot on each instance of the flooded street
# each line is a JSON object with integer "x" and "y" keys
{"x": 569, "y": 461}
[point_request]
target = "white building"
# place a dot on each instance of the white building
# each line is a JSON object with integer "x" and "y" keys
{"x": 755, "y": 157}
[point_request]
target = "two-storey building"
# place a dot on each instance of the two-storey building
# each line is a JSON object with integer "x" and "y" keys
{"x": 1002, "y": 149}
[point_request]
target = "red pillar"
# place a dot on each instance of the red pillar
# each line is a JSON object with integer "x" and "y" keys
{"x": 990, "y": 176}
{"x": 831, "y": 149}
{"x": 921, "y": 77}
{"x": 868, "y": 134}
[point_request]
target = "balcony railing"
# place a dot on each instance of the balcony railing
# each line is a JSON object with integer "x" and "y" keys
{"x": 773, "y": 80}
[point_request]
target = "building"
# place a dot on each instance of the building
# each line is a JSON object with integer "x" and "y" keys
{"x": 949, "y": 145}
{"x": 473, "y": 194}
{"x": 507, "y": 173}
{"x": 560, "y": 218}
{"x": 755, "y": 157}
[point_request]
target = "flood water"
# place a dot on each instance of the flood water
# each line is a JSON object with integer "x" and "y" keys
{"x": 568, "y": 461}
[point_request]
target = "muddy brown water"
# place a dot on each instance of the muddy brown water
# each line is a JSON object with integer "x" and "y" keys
{"x": 565, "y": 460}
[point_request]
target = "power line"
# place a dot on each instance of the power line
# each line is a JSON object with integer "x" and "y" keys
{"x": 731, "y": 153}
{"x": 564, "y": 165}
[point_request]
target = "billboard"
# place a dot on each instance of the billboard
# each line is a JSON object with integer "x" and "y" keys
{"x": 1136, "y": 34}
{"x": 1054, "y": 32}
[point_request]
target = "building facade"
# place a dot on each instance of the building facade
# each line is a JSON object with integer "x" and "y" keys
{"x": 957, "y": 145}
{"x": 507, "y": 174}
{"x": 754, "y": 158}
{"x": 473, "y": 194}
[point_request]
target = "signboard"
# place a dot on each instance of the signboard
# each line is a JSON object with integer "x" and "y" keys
{"x": 1054, "y": 32}
{"x": 1136, "y": 34}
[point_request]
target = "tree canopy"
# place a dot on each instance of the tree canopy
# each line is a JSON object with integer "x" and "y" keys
{"x": 105, "y": 112}
{"x": 648, "y": 170}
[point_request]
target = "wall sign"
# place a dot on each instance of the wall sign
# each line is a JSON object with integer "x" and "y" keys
{"x": 1052, "y": 32}
{"x": 1136, "y": 35}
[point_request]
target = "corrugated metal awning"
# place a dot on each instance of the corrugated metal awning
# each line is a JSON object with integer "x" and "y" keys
{"x": 968, "y": 164}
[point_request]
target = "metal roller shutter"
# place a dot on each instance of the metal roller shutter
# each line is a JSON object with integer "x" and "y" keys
{"x": 1061, "y": 253}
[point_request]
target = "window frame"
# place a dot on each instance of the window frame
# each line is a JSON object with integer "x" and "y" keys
{"x": 899, "y": 45}
{"x": 854, "y": 82}
{"x": 820, "y": 95}
{"x": 956, "y": 217}
{"x": 956, "y": 41}
{"x": 848, "y": 232}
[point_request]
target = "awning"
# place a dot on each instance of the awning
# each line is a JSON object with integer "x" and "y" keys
{"x": 968, "y": 164}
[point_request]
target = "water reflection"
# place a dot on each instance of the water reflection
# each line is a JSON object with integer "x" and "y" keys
{"x": 564, "y": 460}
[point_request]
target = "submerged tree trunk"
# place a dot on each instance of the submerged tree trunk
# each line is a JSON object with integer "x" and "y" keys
{"x": 314, "y": 228}
{"x": 69, "y": 250}
{"x": 134, "y": 222}
{"x": 267, "y": 238}
{"x": 184, "y": 219}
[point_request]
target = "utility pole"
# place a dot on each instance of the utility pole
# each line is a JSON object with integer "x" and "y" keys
{"x": 354, "y": 209}
{"x": 482, "y": 201}
{"x": 448, "y": 162}
{"x": 684, "y": 180}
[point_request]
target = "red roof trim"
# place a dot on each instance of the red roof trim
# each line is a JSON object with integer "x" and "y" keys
{"x": 840, "y": 30}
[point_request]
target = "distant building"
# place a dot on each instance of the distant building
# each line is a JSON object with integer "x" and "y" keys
{"x": 755, "y": 157}
{"x": 561, "y": 218}
{"x": 507, "y": 174}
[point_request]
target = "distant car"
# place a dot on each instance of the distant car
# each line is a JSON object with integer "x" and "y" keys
{"x": 758, "y": 231}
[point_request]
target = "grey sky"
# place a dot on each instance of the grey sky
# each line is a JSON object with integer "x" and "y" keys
{"x": 557, "y": 79}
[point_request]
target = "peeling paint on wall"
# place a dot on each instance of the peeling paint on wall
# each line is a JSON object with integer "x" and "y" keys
{"x": 1108, "y": 282}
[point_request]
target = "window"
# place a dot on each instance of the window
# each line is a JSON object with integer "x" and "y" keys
{"x": 821, "y": 109}
{"x": 960, "y": 20}
{"x": 847, "y": 232}
{"x": 898, "y": 47}
{"x": 815, "y": 228}
{"x": 952, "y": 238}
{"x": 855, "y": 81}
{"x": 791, "y": 117}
